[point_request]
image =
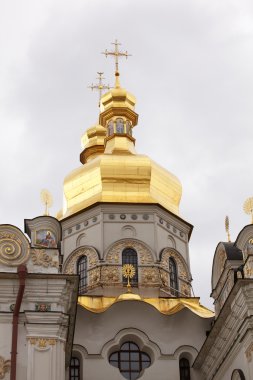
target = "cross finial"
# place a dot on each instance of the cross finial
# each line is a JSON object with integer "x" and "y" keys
{"x": 99, "y": 86}
{"x": 116, "y": 54}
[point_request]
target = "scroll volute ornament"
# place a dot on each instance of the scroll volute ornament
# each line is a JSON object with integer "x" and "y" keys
{"x": 14, "y": 246}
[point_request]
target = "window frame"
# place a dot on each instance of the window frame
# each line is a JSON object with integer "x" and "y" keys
{"x": 75, "y": 367}
{"x": 119, "y": 123}
{"x": 174, "y": 284}
{"x": 184, "y": 369}
{"x": 83, "y": 274}
{"x": 130, "y": 259}
{"x": 125, "y": 364}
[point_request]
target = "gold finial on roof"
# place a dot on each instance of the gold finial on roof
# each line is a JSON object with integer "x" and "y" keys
{"x": 248, "y": 207}
{"x": 227, "y": 228}
{"x": 46, "y": 199}
{"x": 99, "y": 86}
{"x": 117, "y": 54}
{"x": 128, "y": 271}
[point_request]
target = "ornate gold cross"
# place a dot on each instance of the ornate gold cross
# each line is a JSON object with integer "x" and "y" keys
{"x": 117, "y": 54}
{"x": 128, "y": 271}
{"x": 99, "y": 86}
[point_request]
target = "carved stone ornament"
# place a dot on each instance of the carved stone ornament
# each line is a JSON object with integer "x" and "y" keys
{"x": 41, "y": 258}
{"x": 111, "y": 275}
{"x": 42, "y": 342}
{"x": 14, "y": 246}
{"x": 183, "y": 271}
{"x": 249, "y": 352}
{"x": 249, "y": 248}
{"x": 4, "y": 367}
{"x": 114, "y": 253}
{"x": 248, "y": 269}
{"x": 42, "y": 307}
{"x": 223, "y": 258}
{"x": 164, "y": 278}
{"x": 92, "y": 258}
{"x": 186, "y": 290}
{"x": 150, "y": 276}
{"x": 94, "y": 277}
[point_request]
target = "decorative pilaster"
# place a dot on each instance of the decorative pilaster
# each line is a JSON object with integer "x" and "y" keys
{"x": 46, "y": 338}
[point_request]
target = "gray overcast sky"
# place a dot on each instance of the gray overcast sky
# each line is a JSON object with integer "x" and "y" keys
{"x": 191, "y": 72}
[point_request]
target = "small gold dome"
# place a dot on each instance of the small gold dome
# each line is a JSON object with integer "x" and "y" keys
{"x": 129, "y": 296}
{"x": 117, "y": 102}
{"x": 92, "y": 143}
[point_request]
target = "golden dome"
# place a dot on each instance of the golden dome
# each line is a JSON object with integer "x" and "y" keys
{"x": 121, "y": 178}
{"x": 112, "y": 171}
{"x": 92, "y": 143}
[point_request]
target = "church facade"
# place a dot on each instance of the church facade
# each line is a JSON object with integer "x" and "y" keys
{"x": 104, "y": 289}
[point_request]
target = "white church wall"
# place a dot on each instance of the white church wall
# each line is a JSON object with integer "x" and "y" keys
{"x": 104, "y": 224}
{"x": 97, "y": 333}
{"x": 236, "y": 361}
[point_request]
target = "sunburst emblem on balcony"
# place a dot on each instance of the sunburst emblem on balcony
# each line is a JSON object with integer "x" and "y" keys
{"x": 128, "y": 271}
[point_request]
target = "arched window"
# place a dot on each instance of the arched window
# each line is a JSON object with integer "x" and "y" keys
{"x": 119, "y": 126}
{"x": 128, "y": 127}
{"x": 129, "y": 256}
{"x": 184, "y": 369}
{"x": 237, "y": 375}
{"x": 82, "y": 267}
{"x": 130, "y": 360}
{"x": 110, "y": 128}
{"x": 74, "y": 369}
{"x": 173, "y": 276}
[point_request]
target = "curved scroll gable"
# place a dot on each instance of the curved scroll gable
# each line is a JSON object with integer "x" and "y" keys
{"x": 219, "y": 262}
{"x": 69, "y": 266}
{"x": 225, "y": 252}
{"x": 114, "y": 252}
{"x": 14, "y": 246}
{"x": 183, "y": 270}
{"x": 245, "y": 237}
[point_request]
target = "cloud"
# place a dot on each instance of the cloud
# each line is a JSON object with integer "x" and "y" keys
{"x": 191, "y": 73}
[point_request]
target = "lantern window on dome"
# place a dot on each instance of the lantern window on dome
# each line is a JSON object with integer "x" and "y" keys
{"x": 110, "y": 128}
{"x": 120, "y": 126}
{"x": 128, "y": 128}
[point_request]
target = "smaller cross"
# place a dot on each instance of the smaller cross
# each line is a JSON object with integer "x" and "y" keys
{"x": 117, "y": 54}
{"x": 99, "y": 86}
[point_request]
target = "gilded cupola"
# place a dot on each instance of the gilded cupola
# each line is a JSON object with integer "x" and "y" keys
{"x": 112, "y": 171}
